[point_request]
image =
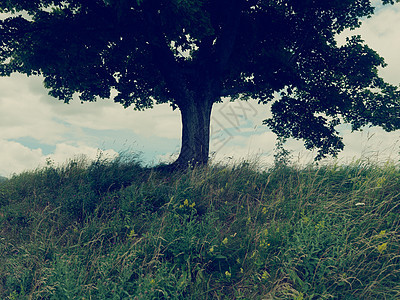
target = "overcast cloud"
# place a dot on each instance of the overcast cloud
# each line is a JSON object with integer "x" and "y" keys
{"x": 35, "y": 126}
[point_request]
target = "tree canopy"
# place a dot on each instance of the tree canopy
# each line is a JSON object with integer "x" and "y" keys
{"x": 190, "y": 53}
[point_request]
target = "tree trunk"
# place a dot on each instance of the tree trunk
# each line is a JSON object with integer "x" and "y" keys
{"x": 196, "y": 118}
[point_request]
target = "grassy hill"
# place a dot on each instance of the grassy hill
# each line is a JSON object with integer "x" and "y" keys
{"x": 116, "y": 230}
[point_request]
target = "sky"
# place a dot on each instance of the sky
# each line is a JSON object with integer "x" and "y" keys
{"x": 35, "y": 127}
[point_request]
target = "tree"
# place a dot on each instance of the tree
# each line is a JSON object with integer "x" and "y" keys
{"x": 190, "y": 53}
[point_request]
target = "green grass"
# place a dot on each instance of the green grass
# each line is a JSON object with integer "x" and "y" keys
{"x": 116, "y": 230}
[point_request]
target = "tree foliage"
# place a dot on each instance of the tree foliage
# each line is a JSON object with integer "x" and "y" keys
{"x": 191, "y": 53}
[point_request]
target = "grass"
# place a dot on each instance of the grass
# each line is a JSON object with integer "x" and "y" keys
{"x": 116, "y": 230}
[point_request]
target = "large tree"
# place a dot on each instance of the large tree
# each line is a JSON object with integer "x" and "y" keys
{"x": 190, "y": 53}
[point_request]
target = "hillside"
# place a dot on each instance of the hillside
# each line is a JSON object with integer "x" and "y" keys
{"x": 116, "y": 230}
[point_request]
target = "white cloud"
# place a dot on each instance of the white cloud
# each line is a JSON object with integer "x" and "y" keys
{"x": 160, "y": 121}
{"x": 259, "y": 145}
{"x": 64, "y": 152}
{"x": 372, "y": 143}
{"x": 234, "y": 115}
{"x": 31, "y": 112}
{"x": 381, "y": 32}
{"x": 23, "y": 114}
{"x": 16, "y": 158}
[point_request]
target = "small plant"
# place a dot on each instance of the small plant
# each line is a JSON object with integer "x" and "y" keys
{"x": 282, "y": 156}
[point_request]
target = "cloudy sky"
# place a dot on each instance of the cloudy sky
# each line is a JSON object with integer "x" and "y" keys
{"x": 35, "y": 127}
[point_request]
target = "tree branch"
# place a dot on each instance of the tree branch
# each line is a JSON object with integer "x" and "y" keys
{"x": 229, "y": 28}
{"x": 163, "y": 57}
{"x": 242, "y": 89}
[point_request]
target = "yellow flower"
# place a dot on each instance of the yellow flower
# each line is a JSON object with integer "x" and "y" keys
{"x": 227, "y": 274}
{"x": 152, "y": 281}
{"x": 264, "y": 210}
{"x": 265, "y": 275}
{"x": 186, "y": 202}
{"x": 211, "y": 249}
{"x": 225, "y": 241}
{"x": 382, "y": 233}
{"x": 241, "y": 270}
{"x": 320, "y": 225}
{"x": 192, "y": 205}
{"x": 132, "y": 234}
{"x": 380, "y": 181}
{"x": 382, "y": 248}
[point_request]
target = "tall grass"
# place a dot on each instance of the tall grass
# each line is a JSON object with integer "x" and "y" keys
{"x": 112, "y": 229}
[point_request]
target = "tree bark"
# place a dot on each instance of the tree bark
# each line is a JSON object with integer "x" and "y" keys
{"x": 196, "y": 119}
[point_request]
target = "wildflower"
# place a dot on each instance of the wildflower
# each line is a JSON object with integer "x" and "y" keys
{"x": 265, "y": 275}
{"x": 320, "y": 225}
{"x": 225, "y": 241}
{"x": 382, "y": 233}
{"x": 241, "y": 270}
{"x": 382, "y": 248}
{"x": 380, "y": 181}
{"x": 264, "y": 210}
{"x": 211, "y": 249}
{"x": 228, "y": 274}
{"x": 132, "y": 234}
{"x": 186, "y": 202}
{"x": 152, "y": 281}
{"x": 192, "y": 205}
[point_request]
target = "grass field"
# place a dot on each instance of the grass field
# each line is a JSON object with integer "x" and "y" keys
{"x": 112, "y": 229}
